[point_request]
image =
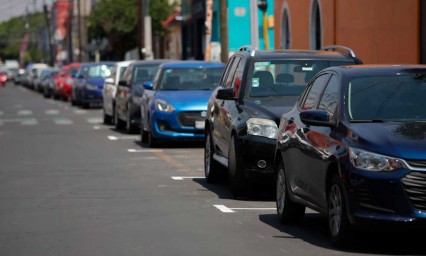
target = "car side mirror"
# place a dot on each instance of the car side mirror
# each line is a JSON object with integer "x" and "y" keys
{"x": 316, "y": 118}
{"x": 123, "y": 83}
{"x": 225, "y": 94}
{"x": 148, "y": 85}
{"x": 109, "y": 80}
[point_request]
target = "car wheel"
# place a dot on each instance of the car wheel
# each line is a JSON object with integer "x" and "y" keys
{"x": 210, "y": 165}
{"x": 237, "y": 181}
{"x": 152, "y": 141}
{"x": 129, "y": 127}
{"x": 144, "y": 136}
{"x": 338, "y": 223}
{"x": 288, "y": 211}
{"x": 107, "y": 118}
{"x": 117, "y": 121}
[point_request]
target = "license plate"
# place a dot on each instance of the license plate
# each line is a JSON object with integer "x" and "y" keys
{"x": 199, "y": 124}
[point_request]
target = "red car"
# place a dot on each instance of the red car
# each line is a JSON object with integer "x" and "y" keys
{"x": 65, "y": 80}
{"x": 3, "y": 78}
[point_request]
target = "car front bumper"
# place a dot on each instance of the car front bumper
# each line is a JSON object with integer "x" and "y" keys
{"x": 178, "y": 125}
{"x": 258, "y": 155}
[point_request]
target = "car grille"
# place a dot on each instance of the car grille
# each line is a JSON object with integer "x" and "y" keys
{"x": 189, "y": 118}
{"x": 417, "y": 163}
{"x": 415, "y": 187}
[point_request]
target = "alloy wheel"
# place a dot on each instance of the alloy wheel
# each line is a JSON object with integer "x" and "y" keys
{"x": 281, "y": 191}
{"x": 335, "y": 210}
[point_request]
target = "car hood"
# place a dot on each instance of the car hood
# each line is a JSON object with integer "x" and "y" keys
{"x": 190, "y": 100}
{"x": 99, "y": 81}
{"x": 405, "y": 140}
{"x": 271, "y": 112}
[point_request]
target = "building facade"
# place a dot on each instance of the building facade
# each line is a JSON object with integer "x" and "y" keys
{"x": 385, "y": 32}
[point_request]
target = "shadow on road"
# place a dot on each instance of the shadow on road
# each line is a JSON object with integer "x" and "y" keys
{"x": 314, "y": 230}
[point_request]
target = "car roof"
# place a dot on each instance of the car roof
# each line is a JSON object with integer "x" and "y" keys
{"x": 300, "y": 54}
{"x": 149, "y": 62}
{"x": 371, "y": 70}
{"x": 193, "y": 64}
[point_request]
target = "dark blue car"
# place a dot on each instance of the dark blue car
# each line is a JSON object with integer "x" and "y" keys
{"x": 175, "y": 104}
{"x": 89, "y": 83}
{"x": 354, "y": 149}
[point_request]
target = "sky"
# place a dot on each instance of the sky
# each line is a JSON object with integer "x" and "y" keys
{"x": 13, "y": 8}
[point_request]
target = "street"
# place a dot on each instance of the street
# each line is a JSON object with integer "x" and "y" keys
{"x": 70, "y": 185}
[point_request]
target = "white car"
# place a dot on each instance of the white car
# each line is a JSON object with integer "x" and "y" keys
{"x": 110, "y": 89}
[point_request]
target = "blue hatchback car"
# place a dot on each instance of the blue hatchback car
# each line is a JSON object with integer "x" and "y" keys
{"x": 354, "y": 149}
{"x": 174, "y": 105}
{"x": 90, "y": 82}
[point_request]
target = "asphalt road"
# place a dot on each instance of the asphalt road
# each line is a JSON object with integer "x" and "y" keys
{"x": 70, "y": 185}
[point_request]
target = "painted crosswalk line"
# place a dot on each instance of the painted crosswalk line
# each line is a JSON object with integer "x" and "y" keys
{"x": 29, "y": 121}
{"x": 62, "y": 121}
{"x": 52, "y": 112}
{"x": 25, "y": 112}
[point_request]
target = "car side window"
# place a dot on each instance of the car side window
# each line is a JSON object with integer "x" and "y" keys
{"x": 329, "y": 98}
{"x": 230, "y": 76}
{"x": 238, "y": 78}
{"x": 317, "y": 86}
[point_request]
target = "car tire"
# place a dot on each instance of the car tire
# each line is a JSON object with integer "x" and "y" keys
{"x": 152, "y": 141}
{"x": 130, "y": 128}
{"x": 340, "y": 229}
{"x": 237, "y": 180}
{"x": 211, "y": 167}
{"x": 144, "y": 136}
{"x": 107, "y": 118}
{"x": 289, "y": 212}
{"x": 119, "y": 124}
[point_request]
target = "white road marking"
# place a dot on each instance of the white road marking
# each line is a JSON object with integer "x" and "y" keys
{"x": 25, "y": 112}
{"x": 94, "y": 120}
{"x": 225, "y": 209}
{"x": 62, "y": 121}
{"x": 80, "y": 111}
{"x": 96, "y": 127}
{"x": 186, "y": 177}
{"x": 29, "y": 121}
{"x": 122, "y": 137}
{"x": 52, "y": 112}
{"x": 1, "y": 113}
{"x": 144, "y": 150}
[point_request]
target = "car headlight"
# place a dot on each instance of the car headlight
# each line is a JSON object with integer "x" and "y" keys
{"x": 262, "y": 127}
{"x": 163, "y": 106}
{"x": 369, "y": 161}
{"x": 91, "y": 87}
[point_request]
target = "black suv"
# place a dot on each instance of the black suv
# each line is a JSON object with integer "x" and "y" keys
{"x": 243, "y": 116}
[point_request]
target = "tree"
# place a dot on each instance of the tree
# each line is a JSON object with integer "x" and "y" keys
{"x": 115, "y": 20}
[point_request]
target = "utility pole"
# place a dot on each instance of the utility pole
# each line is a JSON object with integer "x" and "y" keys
{"x": 49, "y": 35}
{"x": 224, "y": 43}
{"x": 254, "y": 24}
{"x": 80, "y": 53}
{"x": 147, "y": 28}
{"x": 208, "y": 24}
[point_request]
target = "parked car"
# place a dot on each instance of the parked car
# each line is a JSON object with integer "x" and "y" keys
{"x": 88, "y": 91}
{"x": 110, "y": 89}
{"x": 50, "y": 82}
{"x": 33, "y": 75}
{"x": 66, "y": 80}
{"x": 79, "y": 81}
{"x": 45, "y": 76}
{"x": 3, "y": 77}
{"x": 353, "y": 148}
{"x": 256, "y": 88}
{"x": 129, "y": 94}
{"x": 174, "y": 105}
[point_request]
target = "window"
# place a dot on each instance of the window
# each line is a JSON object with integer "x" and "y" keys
{"x": 285, "y": 30}
{"x": 330, "y": 96}
{"x": 314, "y": 92}
{"x": 315, "y": 25}
{"x": 231, "y": 72}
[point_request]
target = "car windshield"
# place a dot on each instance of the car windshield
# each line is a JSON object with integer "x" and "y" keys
{"x": 284, "y": 80}
{"x": 387, "y": 98}
{"x": 144, "y": 74}
{"x": 100, "y": 70}
{"x": 190, "y": 78}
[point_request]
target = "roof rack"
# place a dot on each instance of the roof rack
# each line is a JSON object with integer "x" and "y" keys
{"x": 248, "y": 48}
{"x": 343, "y": 49}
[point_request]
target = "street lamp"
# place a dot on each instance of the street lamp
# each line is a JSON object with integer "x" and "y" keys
{"x": 263, "y": 6}
{"x": 147, "y": 50}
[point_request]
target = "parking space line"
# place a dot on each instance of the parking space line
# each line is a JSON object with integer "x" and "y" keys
{"x": 1, "y": 113}
{"x": 226, "y": 209}
{"x": 62, "y": 121}
{"x": 131, "y": 150}
{"x": 186, "y": 177}
{"x": 52, "y": 112}
{"x": 122, "y": 137}
{"x": 80, "y": 111}
{"x": 94, "y": 120}
{"x": 25, "y": 112}
{"x": 29, "y": 121}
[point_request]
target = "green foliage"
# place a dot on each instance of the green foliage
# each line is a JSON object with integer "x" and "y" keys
{"x": 160, "y": 10}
